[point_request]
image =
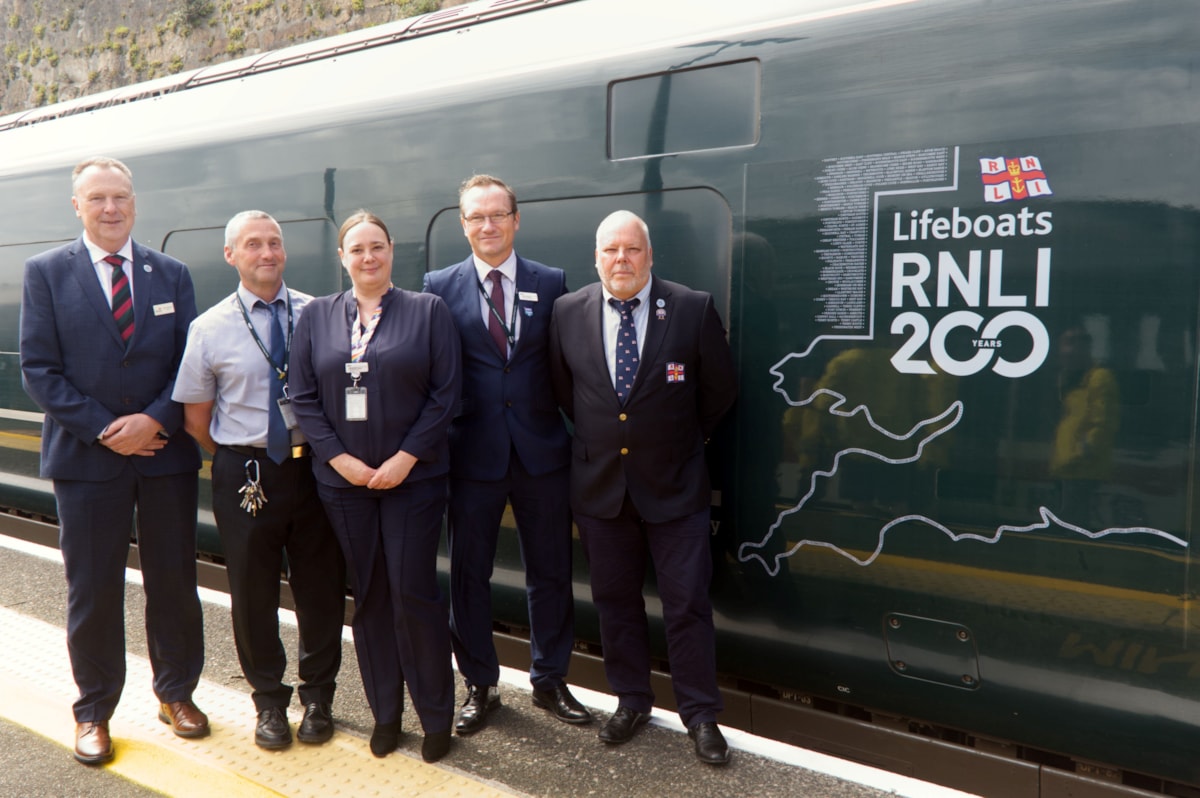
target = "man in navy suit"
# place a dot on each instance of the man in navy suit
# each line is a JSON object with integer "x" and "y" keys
{"x": 642, "y": 368}
{"x": 507, "y": 443}
{"x": 103, "y": 324}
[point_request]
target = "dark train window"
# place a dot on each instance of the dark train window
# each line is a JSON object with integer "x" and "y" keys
{"x": 684, "y": 111}
{"x": 690, "y": 233}
{"x": 312, "y": 263}
{"x": 12, "y": 276}
{"x": 15, "y": 404}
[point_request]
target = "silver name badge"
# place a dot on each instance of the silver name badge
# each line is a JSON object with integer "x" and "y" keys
{"x": 289, "y": 415}
{"x": 356, "y": 404}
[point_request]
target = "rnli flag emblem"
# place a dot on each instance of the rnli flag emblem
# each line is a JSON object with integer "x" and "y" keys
{"x": 1007, "y": 179}
{"x": 674, "y": 372}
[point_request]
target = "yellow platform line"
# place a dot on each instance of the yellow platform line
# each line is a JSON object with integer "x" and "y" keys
{"x": 21, "y": 441}
{"x": 33, "y": 443}
{"x": 39, "y": 691}
{"x": 42, "y": 712}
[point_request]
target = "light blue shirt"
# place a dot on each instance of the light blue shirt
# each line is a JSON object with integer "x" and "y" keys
{"x": 221, "y": 362}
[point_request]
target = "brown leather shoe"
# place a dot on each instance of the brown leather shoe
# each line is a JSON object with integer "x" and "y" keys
{"x": 93, "y": 746}
{"x": 185, "y": 718}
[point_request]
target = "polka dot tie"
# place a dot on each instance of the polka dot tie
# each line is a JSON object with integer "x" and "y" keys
{"x": 627, "y": 347}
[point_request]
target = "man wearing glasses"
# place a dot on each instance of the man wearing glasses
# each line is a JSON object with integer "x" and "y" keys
{"x": 508, "y": 443}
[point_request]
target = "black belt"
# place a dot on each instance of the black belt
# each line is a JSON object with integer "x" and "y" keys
{"x": 260, "y": 453}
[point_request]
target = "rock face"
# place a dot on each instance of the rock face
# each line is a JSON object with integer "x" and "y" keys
{"x": 61, "y": 49}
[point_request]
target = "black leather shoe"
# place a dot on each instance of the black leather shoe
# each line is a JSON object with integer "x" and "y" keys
{"x": 435, "y": 746}
{"x": 317, "y": 726}
{"x": 711, "y": 748}
{"x": 385, "y": 738}
{"x": 622, "y": 725}
{"x": 473, "y": 715}
{"x": 562, "y": 705}
{"x": 273, "y": 731}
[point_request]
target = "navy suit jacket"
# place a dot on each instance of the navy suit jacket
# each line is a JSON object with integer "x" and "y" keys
{"x": 79, "y": 371}
{"x": 505, "y": 405}
{"x": 653, "y": 446}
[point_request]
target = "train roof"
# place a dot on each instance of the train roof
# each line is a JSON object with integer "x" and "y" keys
{"x": 417, "y": 61}
{"x": 328, "y": 47}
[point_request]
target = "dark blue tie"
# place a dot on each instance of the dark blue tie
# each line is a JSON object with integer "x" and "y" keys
{"x": 279, "y": 440}
{"x": 626, "y": 355}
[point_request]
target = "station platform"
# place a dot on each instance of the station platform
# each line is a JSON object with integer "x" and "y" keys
{"x": 523, "y": 751}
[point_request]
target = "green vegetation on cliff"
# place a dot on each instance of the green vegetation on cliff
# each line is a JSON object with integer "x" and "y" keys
{"x": 61, "y": 49}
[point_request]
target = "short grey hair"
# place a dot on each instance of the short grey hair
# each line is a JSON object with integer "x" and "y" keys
{"x": 233, "y": 228}
{"x": 618, "y": 218}
{"x": 101, "y": 162}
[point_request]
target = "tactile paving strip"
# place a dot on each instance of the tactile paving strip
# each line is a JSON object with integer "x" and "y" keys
{"x": 39, "y": 692}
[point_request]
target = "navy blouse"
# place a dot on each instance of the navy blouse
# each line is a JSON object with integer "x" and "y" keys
{"x": 413, "y": 383}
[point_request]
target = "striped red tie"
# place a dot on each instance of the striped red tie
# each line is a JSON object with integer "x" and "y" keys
{"x": 122, "y": 297}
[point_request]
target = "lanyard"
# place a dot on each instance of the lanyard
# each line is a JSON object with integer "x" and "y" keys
{"x": 280, "y": 369}
{"x": 359, "y": 338}
{"x": 510, "y": 331}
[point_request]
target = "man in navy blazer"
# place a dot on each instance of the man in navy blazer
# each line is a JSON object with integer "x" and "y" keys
{"x": 103, "y": 324}
{"x": 507, "y": 443}
{"x": 642, "y": 368}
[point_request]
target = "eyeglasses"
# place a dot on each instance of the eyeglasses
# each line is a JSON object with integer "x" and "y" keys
{"x": 494, "y": 218}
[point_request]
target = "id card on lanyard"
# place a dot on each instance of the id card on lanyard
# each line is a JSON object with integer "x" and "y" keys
{"x": 281, "y": 369}
{"x": 356, "y": 395}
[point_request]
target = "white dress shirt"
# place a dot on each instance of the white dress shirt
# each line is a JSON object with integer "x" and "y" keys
{"x": 104, "y": 270}
{"x": 508, "y": 282}
{"x": 612, "y": 326}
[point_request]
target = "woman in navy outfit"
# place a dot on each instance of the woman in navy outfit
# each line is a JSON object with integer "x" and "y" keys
{"x": 375, "y": 380}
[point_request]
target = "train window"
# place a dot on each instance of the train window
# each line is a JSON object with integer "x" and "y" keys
{"x": 687, "y": 110}
{"x": 312, "y": 264}
{"x": 690, "y": 232}
{"x": 12, "y": 277}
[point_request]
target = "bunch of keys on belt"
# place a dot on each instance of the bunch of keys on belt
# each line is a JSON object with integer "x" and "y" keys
{"x": 253, "y": 497}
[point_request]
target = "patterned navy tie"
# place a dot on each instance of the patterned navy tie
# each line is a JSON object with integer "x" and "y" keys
{"x": 279, "y": 440}
{"x": 122, "y": 297}
{"x": 626, "y": 358}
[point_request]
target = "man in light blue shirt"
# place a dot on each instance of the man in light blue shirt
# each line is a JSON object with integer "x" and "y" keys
{"x": 233, "y": 385}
